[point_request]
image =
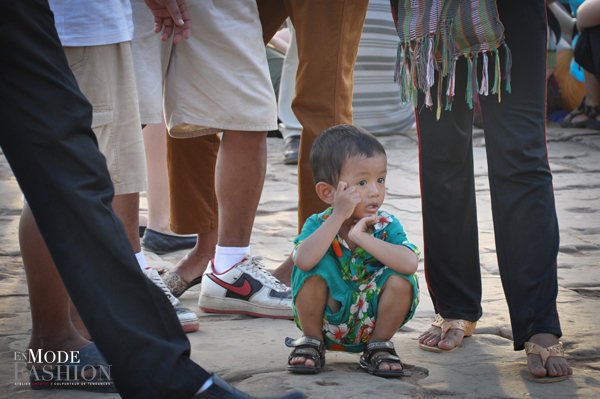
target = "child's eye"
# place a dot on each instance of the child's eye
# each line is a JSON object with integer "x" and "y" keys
{"x": 362, "y": 183}
{"x": 380, "y": 180}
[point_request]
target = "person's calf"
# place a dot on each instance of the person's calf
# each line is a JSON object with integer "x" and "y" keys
{"x": 284, "y": 272}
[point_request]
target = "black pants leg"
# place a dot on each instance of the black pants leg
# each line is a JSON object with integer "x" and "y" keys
{"x": 449, "y": 209}
{"x": 523, "y": 209}
{"x": 47, "y": 139}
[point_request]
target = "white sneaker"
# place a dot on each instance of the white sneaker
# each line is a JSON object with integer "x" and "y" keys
{"x": 188, "y": 319}
{"x": 246, "y": 288}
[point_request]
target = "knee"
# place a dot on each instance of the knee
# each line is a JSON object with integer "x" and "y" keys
{"x": 398, "y": 285}
{"x": 314, "y": 287}
{"x": 315, "y": 282}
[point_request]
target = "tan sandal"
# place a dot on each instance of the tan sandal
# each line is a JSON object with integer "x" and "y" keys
{"x": 464, "y": 325}
{"x": 545, "y": 353}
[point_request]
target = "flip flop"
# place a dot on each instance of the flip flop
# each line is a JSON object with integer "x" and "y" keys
{"x": 545, "y": 353}
{"x": 177, "y": 284}
{"x": 66, "y": 375}
{"x": 464, "y": 325}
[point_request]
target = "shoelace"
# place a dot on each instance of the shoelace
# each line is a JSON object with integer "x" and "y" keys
{"x": 155, "y": 278}
{"x": 254, "y": 265}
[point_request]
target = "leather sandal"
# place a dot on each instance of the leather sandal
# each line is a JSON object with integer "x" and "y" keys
{"x": 177, "y": 284}
{"x": 309, "y": 348}
{"x": 545, "y": 353}
{"x": 591, "y": 112}
{"x": 464, "y": 325}
{"x": 370, "y": 362}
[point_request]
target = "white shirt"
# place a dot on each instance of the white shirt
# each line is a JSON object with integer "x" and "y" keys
{"x": 92, "y": 22}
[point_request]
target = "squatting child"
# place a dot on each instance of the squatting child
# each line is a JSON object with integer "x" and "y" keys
{"x": 354, "y": 282}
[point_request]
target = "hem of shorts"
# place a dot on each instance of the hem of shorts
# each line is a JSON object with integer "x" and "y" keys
{"x": 178, "y": 229}
{"x": 151, "y": 120}
{"x": 216, "y": 128}
{"x": 130, "y": 188}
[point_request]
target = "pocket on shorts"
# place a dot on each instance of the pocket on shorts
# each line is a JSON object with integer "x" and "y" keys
{"x": 77, "y": 57}
{"x": 103, "y": 127}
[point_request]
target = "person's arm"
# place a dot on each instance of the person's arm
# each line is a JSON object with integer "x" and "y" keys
{"x": 174, "y": 16}
{"x": 314, "y": 247}
{"x": 564, "y": 18}
{"x": 588, "y": 14}
{"x": 397, "y": 257}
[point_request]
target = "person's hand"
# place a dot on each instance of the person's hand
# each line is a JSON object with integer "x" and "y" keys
{"x": 345, "y": 200}
{"x": 360, "y": 227}
{"x": 173, "y": 16}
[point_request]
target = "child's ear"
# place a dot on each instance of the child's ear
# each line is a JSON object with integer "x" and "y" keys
{"x": 325, "y": 191}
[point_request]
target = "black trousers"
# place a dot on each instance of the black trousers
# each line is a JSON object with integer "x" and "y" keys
{"x": 523, "y": 209}
{"x": 46, "y": 137}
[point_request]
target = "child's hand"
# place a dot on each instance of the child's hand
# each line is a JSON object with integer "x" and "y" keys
{"x": 360, "y": 227}
{"x": 345, "y": 200}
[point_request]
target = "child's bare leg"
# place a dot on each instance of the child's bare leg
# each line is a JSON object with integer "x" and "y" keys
{"x": 395, "y": 300}
{"x": 310, "y": 306}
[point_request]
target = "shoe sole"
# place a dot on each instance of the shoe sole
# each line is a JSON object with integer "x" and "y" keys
{"x": 211, "y": 304}
{"x": 191, "y": 327}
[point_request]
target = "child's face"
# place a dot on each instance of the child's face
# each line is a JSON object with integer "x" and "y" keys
{"x": 368, "y": 176}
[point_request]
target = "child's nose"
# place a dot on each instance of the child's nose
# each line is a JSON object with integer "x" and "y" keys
{"x": 373, "y": 191}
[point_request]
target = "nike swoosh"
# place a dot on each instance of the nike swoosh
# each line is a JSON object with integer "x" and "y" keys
{"x": 244, "y": 290}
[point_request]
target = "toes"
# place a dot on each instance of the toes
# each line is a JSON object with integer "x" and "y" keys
{"x": 297, "y": 360}
{"x": 302, "y": 360}
{"x": 384, "y": 366}
{"x": 452, "y": 339}
{"x": 534, "y": 363}
{"x": 558, "y": 367}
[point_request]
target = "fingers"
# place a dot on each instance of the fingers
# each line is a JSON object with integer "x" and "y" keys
{"x": 173, "y": 9}
{"x": 342, "y": 186}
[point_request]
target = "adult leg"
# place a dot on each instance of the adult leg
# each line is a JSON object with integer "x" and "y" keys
{"x": 241, "y": 168}
{"x": 64, "y": 177}
{"x": 327, "y": 35}
{"x": 51, "y": 327}
{"x": 451, "y": 245}
{"x": 193, "y": 201}
{"x": 523, "y": 208}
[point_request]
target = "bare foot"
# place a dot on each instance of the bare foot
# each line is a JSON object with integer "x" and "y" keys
{"x": 555, "y": 366}
{"x": 433, "y": 337}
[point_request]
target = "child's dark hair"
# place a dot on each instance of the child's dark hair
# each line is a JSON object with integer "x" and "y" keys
{"x": 335, "y": 146}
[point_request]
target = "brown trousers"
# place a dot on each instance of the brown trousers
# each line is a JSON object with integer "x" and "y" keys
{"x": 327, "y": 34}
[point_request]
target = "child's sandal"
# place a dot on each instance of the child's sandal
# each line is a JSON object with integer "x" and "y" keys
{"x": 309, "y": 348}
{"x": 370, "y": 362}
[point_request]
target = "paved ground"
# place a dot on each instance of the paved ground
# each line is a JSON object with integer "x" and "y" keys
{"x": 254, "y": 356}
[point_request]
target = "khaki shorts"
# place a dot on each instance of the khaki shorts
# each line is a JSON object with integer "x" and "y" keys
{"x": 105, "y": 76}
{"x": 216, "y": 80}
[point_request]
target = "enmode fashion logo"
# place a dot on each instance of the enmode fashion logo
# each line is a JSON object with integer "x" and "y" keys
{"x": 57, "y": 368}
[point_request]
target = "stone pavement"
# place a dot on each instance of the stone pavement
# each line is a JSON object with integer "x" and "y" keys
{"x": 250, "y": 352}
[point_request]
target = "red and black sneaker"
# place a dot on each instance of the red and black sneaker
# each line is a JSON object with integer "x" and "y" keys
{"x": 246, "y": 288}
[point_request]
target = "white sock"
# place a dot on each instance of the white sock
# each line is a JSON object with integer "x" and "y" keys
{"x": 141, "y": 260}
{"x": 226, "y": 257}
{"x": 205, "y": 386}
